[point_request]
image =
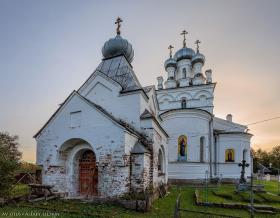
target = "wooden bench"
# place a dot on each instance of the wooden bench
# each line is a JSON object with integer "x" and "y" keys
{"x": 40, "y": 192}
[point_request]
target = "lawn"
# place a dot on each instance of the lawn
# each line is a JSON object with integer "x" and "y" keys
{"x": 163, "y": 207}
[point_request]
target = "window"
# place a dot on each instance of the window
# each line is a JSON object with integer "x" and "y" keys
{"x": 245, "y": 154}
{"x": 182, "y": 148}
{"x": 184, "y": 73}
{"x": 229, "y": 155}
{"x": 160, "y": 162}
{"x": 202, "y": 139}
{"x": 183, "y": 103}
{"x": 75, "y": 119}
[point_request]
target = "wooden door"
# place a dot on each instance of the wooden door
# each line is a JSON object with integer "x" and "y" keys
{"x": 88, "y": 174}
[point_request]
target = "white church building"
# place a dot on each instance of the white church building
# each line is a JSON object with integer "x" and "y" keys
{"x": 113, "y": 136}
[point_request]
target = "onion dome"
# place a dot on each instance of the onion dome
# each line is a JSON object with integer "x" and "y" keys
{"x": 170, "y": 62}
{"x": 184, "y": 53}
{"x": 118, "y": 46}
{"x": 198, "y": 57}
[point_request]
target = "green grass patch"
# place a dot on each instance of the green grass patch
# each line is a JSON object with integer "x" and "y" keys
{"x": 163, "y": 207}
{"x": 270, "y": 197}
{"x": 19, "y": 190}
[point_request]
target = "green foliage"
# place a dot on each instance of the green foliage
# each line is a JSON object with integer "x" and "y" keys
{"x": 223, "y": 194}
{"x": 9, "y": 160}
{"x": 246, "y": 197}
{"x": 163, "y": 207}
{"x": 265, "y": 158}
{"x": 270, "y": 197}
{"x": 26, "y": 167}
{"x": 19, "y": 190}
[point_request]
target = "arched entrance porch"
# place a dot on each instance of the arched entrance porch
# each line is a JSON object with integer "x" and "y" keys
{"x": 81, "y": 164}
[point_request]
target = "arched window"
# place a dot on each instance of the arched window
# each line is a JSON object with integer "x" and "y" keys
{"x": 245, "y": 154}
{"x": 182, "y": 148}
{"x": 202, "y": 139}
{"x": 183, "y": 103}
{"x": 229, "y": 155}
{"x": 160, "y": 162}
{"x": 184, "y": 73}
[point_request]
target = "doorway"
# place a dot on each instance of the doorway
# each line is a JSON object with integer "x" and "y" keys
{"x": 88, "y": 174}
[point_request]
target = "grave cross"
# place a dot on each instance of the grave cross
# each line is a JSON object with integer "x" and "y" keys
{"x": 243, "y": 164}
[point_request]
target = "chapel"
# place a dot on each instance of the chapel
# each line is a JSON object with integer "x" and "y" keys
{"x": 112, "y": 136}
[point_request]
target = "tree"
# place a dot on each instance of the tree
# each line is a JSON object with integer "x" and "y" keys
{"x": 260, "y": 157}
{"x": 274, "y": 155}
{"x": 9, "y": 160}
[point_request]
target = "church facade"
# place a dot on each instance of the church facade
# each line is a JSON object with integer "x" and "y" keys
{"x": 113, "y": 136}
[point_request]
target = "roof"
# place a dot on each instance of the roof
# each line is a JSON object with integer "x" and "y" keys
{"x": 138, "y": 148}
{"x": 186, "y": 109}
{"x": 100, "y": 109}
{"x": 148, "y": 88}
{"x": 148, "y": 115}
{"x": 118, "y": 69}
{"x": 49, "y": 120}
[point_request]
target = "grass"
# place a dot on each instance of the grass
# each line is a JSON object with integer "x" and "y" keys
{"x": 19, "y": 190}
{"x": 163, "y": 207}
{"x": 227, "y": 194}
{"x": 270, "y": 186}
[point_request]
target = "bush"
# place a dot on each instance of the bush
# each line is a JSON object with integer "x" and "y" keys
{"x": 9, "y": 161}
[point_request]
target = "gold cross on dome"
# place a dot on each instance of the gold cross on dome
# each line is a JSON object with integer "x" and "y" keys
{"x": 118, "y": 22}
{"x": 197, "y": 42}
{"x": 184, "y": 33}
{"x": 170, "y": 47}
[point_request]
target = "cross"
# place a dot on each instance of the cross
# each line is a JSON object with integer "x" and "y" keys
{"x": 118, "y": 22}
{"x": 170, "y": 47}
{"x": 184, "y": 33}
{"x": 243, "y": 165}
{"x": 197, "y": 42}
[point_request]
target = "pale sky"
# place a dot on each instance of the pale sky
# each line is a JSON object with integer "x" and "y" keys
{"x": 49, "y": 48}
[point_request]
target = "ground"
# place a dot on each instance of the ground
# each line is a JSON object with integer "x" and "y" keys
{"x": 161, "y": 208}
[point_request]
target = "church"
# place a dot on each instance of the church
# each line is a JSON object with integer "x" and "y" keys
{"x": 112, "y": 136}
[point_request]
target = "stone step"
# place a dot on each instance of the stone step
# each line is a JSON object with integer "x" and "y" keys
{"x": 265, "y": 211}
{"x": 263, "y": 207}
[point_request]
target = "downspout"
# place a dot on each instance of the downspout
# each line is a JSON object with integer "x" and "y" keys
{"x": 210, "y": 138}
{"x": 215, "y": 157}
{"x": 130, "y": 173}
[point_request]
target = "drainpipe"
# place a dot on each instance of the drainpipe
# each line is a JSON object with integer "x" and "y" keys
{"x": 210, "y": 138}
{"x": 130, "y": 172}
{"x": 215, "y": 157}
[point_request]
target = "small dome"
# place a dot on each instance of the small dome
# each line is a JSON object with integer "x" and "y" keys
{"x": 118, "y": 46}
{"x": 198, "y": 57}
{"x": 170, "y": 62}
{"x": 184, "y": 53}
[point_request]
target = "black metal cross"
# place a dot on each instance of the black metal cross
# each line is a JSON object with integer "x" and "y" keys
{"x": 197, "y": 42}
{"x": 243, "y": 164}
{"x": 170, "y": 47}
{"x": 184, "y": 33}
{"x": 118, "y": 22}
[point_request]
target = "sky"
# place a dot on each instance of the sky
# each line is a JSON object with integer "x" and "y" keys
{"x": 49, "y": 48}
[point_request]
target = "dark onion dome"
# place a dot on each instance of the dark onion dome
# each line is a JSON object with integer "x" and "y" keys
{"x": 198, "y": 57}
{"x": 170, "y": 62}
{"x": 184, "y": 53}
{"x": 118, "y": 46}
